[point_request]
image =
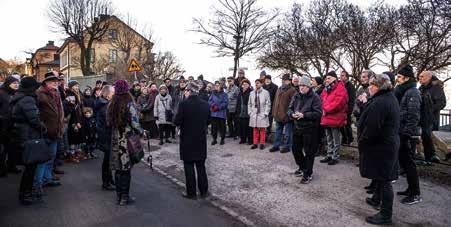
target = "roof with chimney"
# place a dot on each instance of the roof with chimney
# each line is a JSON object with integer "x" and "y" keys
{"x": 49, "y": 46}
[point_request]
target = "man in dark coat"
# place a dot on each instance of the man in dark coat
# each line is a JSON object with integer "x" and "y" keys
{"x": 272, "y": 89}
{"x": 192, "y": 118}
{"x": 409, "y": 99}
{"x": 282, "y": 99}
{"x": 52, "y": 114}
{"x": 7, "y": 90}
{"x": 104, "y": 136}
{"x": 346, "y": 131}
{"x": 378, "y": 141}
{"x": 431, "y": 87}
{"x": 305, "y": 109}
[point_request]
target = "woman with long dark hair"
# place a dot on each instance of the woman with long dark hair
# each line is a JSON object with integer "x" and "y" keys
{"x": 123, "y": 119}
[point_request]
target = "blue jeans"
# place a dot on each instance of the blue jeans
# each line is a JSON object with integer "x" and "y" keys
{"x": 288, "y": 135}
{"x": 44, "y": 171}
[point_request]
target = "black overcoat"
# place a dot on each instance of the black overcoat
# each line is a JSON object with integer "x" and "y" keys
{"x": 378, "y": 137}
{"x": 193, "y": 117}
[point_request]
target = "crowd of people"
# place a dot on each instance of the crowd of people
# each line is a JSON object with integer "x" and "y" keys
{"x": 310, "y": 115}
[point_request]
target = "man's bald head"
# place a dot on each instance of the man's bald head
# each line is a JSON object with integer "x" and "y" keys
{"x": 425, "y": 77}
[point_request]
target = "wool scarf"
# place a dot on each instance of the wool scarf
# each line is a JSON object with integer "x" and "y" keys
{"x": 402, "y": 88}
{"x": 257, "y": 100}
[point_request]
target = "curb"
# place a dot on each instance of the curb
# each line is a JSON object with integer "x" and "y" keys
{"x": 210, "y": 199}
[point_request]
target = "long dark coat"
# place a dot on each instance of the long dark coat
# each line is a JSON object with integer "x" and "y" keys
{"x": 103, "y": 130}
{"x": 25, "y": 117}
{"x": 435, "y": 89}
{"x": 193, "y": 117}
{"x": 378, "y": 137}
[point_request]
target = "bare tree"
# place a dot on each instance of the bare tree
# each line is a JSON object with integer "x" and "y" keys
{"x": 307, "y": 39}
{"x": 423, "y": 35}
{"x": 84, "y": 21}
{"x": 237, "y": 28}
{"x": 166, "y": 66}
{"x": 285, "y": 49}
{"x": 365, "y": 34}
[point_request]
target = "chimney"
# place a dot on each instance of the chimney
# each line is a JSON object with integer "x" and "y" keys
{"x": 50, "y": 43}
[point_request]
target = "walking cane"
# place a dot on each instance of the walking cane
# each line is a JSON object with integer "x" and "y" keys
{"x": 149, "y": 158}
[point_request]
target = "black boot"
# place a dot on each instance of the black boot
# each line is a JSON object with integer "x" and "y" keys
{"x": 379, "y": 219}
{"x": 118, "y": 188}
{"x": 27, "y": 198}
{"x": 126, "y": 199}
{"x": 37, "y": 195}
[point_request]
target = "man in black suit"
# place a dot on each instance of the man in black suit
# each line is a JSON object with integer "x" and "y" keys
{"x": 192, "y": 118}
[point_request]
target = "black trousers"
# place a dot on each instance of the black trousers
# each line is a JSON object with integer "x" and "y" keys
{"x": 172, "y": 131}
{"x": 26, "y": 183}
{"x": 123, "y": 178}
{"x": 164, "y": 130}
{"x": 406, "y": 154}
{"x": 8, "y": 157}
{"x": 245, "y": 130}
{"x": 305, "y": 146}
{"x": 107, "y": 176}
{"x": 153, "y": 129}
{"x": 218, "y": 125}
{"x": 232, "y": 124}
{"x": 384, "y": 194}
{"x": 346, "y": 131}
{"x": 202, "y": 181}
{"x": 269, "y": 129}
{"x": 428, "y": 145}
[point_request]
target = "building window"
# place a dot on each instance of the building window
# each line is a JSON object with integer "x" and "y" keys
{"x": 112, "y": 56}
{"x": 63, "y": 59}
{"x": 92, "y": 55}
{"x": 112, "y": 34}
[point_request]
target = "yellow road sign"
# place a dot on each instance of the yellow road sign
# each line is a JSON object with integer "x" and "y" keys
{"x": 134, "y": 66}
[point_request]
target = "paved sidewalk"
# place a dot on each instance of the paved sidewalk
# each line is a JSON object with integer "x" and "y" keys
{"x": 260, "y": 185}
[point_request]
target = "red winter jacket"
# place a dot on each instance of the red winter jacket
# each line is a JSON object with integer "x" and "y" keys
{"x": 335, "y": 106}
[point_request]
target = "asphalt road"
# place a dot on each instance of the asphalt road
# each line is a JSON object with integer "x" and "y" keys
{"x": 81, "y": 202}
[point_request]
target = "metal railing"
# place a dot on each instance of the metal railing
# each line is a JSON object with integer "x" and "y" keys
{"x": 444, "y": 121}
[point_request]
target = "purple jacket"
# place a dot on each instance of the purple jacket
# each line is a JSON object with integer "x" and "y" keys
{"x": 218, "y": 102}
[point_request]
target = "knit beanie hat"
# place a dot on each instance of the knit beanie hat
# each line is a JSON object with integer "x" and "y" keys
{"x": 407, "y": 71}
{"x": 305, "y": 81}
{"x": 29, "y": 83}
{"x": 332, "y": 74}
{"x": 72, "y": 83}
{"x": 121, "y": 87}
{"x": 318, "y": 80}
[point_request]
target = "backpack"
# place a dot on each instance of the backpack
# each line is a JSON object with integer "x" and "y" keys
{"x": 426, "y": 115}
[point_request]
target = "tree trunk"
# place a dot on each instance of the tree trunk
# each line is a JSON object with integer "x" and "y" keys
{"x": 235, "y": 66}
{"x": 82, "y": 60}
{"x": 88, "y": 59}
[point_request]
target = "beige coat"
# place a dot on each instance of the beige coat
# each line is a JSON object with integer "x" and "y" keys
{"x": 259, "y": 120}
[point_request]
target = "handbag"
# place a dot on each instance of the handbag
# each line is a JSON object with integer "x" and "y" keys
{"x": 36, "y": 151}
{"x": 135, "y": 148}
{"x": 168, "y": 113}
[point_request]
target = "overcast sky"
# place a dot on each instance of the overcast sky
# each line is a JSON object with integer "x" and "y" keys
{"x": 25, "y": 26}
